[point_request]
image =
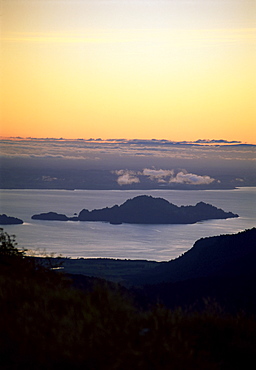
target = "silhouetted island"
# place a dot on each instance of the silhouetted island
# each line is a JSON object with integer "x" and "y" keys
{"x": 8, "y": 220}
{"x": 50, "y": 216}
{"x": 145, "y": 209}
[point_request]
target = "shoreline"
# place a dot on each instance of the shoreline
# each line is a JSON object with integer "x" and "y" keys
{"x": 114, "y": 270}
{"x": 194, "y": 188}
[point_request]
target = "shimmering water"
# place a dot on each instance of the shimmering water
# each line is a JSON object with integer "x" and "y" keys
{"x": 98, "y": 239}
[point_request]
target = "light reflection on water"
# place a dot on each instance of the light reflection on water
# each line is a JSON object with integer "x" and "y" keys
{"x": 98, "y": 239}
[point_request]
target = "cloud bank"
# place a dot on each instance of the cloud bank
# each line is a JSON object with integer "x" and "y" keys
{"x": 140, "y": 164}
{"x": 95, "y": 149}
{"x": 127, "y": 177}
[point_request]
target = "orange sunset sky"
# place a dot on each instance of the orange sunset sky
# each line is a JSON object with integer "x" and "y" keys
{"x": 174, "y": 69}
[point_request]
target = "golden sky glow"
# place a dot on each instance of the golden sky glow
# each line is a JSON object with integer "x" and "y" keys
{"x": 178, "y": 70}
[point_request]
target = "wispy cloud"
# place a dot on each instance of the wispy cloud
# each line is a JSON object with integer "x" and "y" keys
{"x": 179, "y": 37}
{"x": 214, "y": 141}
{"x": 96, "y": 149}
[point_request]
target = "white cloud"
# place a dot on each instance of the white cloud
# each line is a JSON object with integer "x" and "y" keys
{"x": 158, "y": 175}
{"x": 191, "y": 178}
{"x": 126, "y": 177}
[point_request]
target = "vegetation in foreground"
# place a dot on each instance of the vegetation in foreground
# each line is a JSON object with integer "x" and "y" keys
{"x": 46, "y": 324}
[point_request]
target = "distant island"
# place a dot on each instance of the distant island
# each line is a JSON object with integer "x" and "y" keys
{"x": 8, "y": 220}
{"x": 145, "y": 209}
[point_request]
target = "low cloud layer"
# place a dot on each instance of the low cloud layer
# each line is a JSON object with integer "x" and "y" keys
{"x": 97, "y": 149}
{"x": 127, "y": 177}
{"x": 114, "y": 164}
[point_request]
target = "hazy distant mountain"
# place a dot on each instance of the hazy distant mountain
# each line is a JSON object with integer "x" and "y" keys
{"x": 145, "y": 210}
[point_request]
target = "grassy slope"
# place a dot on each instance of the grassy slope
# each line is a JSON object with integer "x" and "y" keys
{"x": 46, "y": 324}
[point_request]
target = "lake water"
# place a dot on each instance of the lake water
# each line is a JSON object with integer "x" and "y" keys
{"x": 98, "y": 239}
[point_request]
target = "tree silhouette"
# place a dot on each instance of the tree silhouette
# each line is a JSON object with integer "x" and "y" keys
{"x": 8, "y": 250}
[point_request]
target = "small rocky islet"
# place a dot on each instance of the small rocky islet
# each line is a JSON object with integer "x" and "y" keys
{"x": 9, "y": 220}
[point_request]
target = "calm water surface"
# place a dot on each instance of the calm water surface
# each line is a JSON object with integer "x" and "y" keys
{"x": 98, "y": 239}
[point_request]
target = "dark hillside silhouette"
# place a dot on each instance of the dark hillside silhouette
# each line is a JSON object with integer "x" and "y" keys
{"x": 219, "y": 269}
{"x": 224, "y": 255}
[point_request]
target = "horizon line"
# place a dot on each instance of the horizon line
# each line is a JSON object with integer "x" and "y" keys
{"x": 198, "y": 142}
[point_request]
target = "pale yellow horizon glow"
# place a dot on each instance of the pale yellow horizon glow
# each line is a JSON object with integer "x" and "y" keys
{"x": 123, "y": 69}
